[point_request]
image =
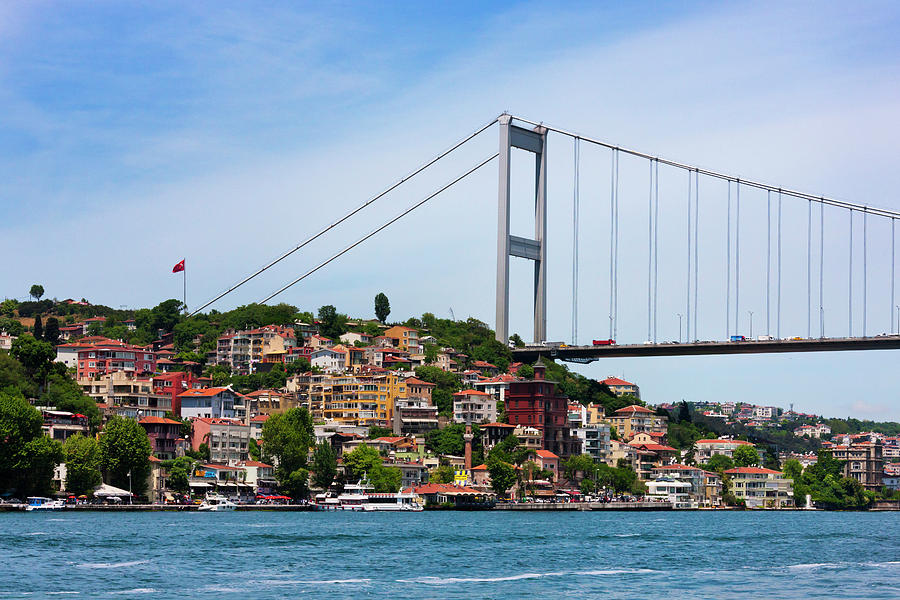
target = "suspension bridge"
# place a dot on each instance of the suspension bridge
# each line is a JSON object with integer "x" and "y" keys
{"x": 700, "y": 193}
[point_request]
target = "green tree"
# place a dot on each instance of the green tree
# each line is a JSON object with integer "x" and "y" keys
{"x": 287, "y": 438}
{"x": 382, "y": 307}
{"x": 324, "y": 465}
{"x": 517, "y": 340}
{"x": 8, "y": 307}
{"x": 38, "y": 328}
{"x": 253, "y": 449}
{"x": 442, "y": 474}
{"x": 51, "y": 331}
{"x": 366, "y": 461}
{"x": 13, "y": 375}
{"x": 503, "y": 476}
{"x": 526, "y": 372}
{"x": 179, "y": 474}
{"x": 12, "y": 327}
{"x": 36, "y": 292}
{"x": 376, "y": 432}
{"x": 684, "y": 412}
{"x": 64, "y": 394}
{"x": 27, "y": 457}
{"x": 125, "y": 448}
{"x": 793, "y": 469}
{"x": 746, "y": 455}
{"x": 36, "y": 356}
{"x": 719, "y": 463}
{"x": 579, "y": 467}
{"x": 331, "y": 323}
{"x": 82, "y": 464}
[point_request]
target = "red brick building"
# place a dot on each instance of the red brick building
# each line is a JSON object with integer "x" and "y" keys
{"x": 537, "y": 403}
{"x": 106, "y": 357}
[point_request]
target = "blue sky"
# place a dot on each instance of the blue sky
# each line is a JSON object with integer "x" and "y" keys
{"x": 135, "y": 135}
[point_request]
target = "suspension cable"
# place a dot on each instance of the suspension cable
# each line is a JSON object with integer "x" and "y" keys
{"x": 612, "y": 232}
{"x": 616, "y": 260}
{"x": 383, "y": 227}
{"x": 656, "y": 254}
{"x": 350, "y": 214}
{"x": 893, "y": 254}
{"x": 850, "y": 283}
{"x": 768, "y": 257}
{"x": 728, "y": 269}
{"x": 575, "y": 199}
{"x": 809, "y": 269}
{"x": 880, "y": 212}
{"x": 696, "y": 248}
{"x": 778, "y": 306}
{"x": 737, "y": 259}
{"x": 650, "y": 258}
{"x": 687, "y": 311}
{"x": 822, "y": 270}
{"x": 865, "y": 286}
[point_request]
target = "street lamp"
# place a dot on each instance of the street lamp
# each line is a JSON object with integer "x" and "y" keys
{"x": 129, "y": 486}
{"x": 679, "y": 326}
{"x": 750, "y": 312}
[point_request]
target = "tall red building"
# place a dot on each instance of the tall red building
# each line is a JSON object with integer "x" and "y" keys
{"x": 537, "y": 403}
{"x": 101, "y": 358}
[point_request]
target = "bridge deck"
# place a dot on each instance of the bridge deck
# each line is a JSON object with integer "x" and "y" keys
{"x": 591, "y": 353}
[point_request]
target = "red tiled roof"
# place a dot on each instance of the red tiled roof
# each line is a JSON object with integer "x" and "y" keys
{"x": 416, "y": 381}
{"x": 437, "y": 488}
{"x": 615, "y": 381}
{"x": 545, "y": 454}
{"x": 738, "y": 442}
{"x": 498, "y": 425}
{"x": 259, "y": 418}
{"x": 634, "y": 408}
{"x": 202, "y": 392}
{"x": 654, "y": 447}
{"x": 471, "y": 393}
{"x": 158, "y": 421}
{"x": 483, "y": 364}
{"x": 676, "y": 467}
{"x": 255, "y": 463}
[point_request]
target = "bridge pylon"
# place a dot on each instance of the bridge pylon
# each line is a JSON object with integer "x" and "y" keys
{"x": 534, "y": 141}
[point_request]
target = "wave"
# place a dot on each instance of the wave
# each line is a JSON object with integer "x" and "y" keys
{"x": 61, "y": 593}
{"x": 133, "y": 591}
{"x": 452, "y": 580}
{"x": 311, "y": 581}
{"x": 129, "y": 563}
{"x": 614, "y": 572}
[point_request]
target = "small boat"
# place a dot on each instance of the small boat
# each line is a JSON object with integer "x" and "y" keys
{"x": 215, "y": 502}
{"x": 42, "y": 503}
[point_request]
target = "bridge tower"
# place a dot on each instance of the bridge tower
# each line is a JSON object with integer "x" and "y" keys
{"x": 534, "y": 141}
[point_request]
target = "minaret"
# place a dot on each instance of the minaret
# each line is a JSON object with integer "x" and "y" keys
{"x": 468, "y": 439}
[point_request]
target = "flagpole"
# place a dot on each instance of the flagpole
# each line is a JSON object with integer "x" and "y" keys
{"x": 184, "y": 281}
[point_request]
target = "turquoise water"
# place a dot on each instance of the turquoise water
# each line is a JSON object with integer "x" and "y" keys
{"x": 259, "y": 555}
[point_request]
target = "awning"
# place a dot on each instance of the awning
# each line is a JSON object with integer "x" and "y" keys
{"x": 198, "y": 484}
{"x": 107, "y": 491}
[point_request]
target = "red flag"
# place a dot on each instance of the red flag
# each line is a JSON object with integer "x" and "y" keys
{"x": 179, "y": 267}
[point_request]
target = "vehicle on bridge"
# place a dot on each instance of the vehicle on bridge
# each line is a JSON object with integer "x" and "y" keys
{"x": 738, "y": 338}
{"x": 604, "y": 342}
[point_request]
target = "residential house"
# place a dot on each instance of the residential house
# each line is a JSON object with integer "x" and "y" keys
{"x": 60, "y": 425}
{"x": 103, "y": 358}
{"x": 351, "y": 337}
{"x": 125, "y": 394}
{"x": 214, "y": 402}
{"x": 620, "y": 387}
{"x": 472, "y": 406}
{"x": 228, "y": 439}
{"x": 634, "y": 419}
{"x": 494, "y": 433}
{"x": 259, "y": 476}
{"x": 706, "y": 449}
{"x": 817, "y": 431}
{"x": 329, "y": 360}
{"x": 404, "y": 338}
{"x": 864, "y": 461}
{"x": 164, "y": 435}
{"x": 547, "y": 460}
{"x": 761, "y": 488}
{"x": 256, "y": 425}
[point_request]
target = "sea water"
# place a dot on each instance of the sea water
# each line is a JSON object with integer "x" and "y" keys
{"x": 263, "y": 555}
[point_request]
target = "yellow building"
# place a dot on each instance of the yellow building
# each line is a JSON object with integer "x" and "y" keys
{"x": 362, "y": 400}
{"x": 405, "y": 338}
{"x": 634, "y": 419}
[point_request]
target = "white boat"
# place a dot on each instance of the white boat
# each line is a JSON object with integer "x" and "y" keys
{"x": 215, "y": 502}
{"x": 362, "y": 497}
{"x": 42, "y": 503}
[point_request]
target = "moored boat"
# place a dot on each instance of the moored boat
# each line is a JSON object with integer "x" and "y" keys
{"x": 215, "y": 502}
{"x": 42, "y": 503}
{"x": 362, "y": 497}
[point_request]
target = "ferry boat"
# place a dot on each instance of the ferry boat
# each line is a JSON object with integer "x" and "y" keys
{"x": 215, "y": 502}
{"x": 42, "y": 503}
{"x": 361, "y": 497}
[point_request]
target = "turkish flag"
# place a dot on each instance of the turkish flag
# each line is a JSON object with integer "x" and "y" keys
{"x": 179, "y": 267}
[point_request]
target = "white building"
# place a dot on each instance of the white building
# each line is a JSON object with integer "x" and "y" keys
{"x": 706, "y": 449}
{"x": 215, "y": 403}
{"x": 328, "y": 360}
{"x": 473, "y": 406}
{"x": 814, "y": 431}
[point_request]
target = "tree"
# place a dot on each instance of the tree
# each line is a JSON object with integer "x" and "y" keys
{"x": 365, "y": 461}
{"x": 793, "y": 469}
{"x": 36, "y": 292}
{"x": 376, "y": 432}
{"x": 253, "y": 449}
{"x": 64, "y": 394}
{"x": 442, "y": 474}
{"x": 684, "y": 412}
{"x": 503, "y": 476}
{"x": 517, "y": 340}
{"x": 51, "y": 331}
{"x": 719, "y": 463}
{"x": 746, "y": 455}
{"x": 125, "y": 450}
{"x": 324, "y": 465}
{"x": 36, "y": 356}
{"x": 382, "y": 307}
{"x": 38, "y": 328}
{"x": 179, "y": 474}
{"x": 580, "y": 467}
{"x": 27, "y": 457}
{"x": 12, "y": 327}
{"x": 331, "y": 323}
{"x": 526, "y": 372}
{"x": 8, "y": 307}
{"x": 82, "y": 464}
{"x": 287, "y": 438}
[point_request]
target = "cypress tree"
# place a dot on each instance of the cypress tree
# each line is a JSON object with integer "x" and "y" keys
{"x": 51, "y": 331}
{"x": 38, "y": 328}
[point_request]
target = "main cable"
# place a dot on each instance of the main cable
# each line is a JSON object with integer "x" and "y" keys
{"x": 350, "y": 214}
{"x": 575, "y": 200}
{"x": 385, "y": 226}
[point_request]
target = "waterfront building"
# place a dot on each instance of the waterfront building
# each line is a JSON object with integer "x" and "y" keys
{"x": 634, "y": 419}
{"x": 595, "y": 440}
{"x": 214, "y": 403}
{"x": 706, "y": 449}
{"x": 459, "y": 496}
{"x": 472, "y": 406}
{"x": 668, "y": 489}
{"x": 164, "y": 435}
{"x": 864, "y": 461}
{"x": 705, "y": 487}
{"x": 620, "y": 387}
{"x": 622, "y": 451}
{"x": 537, "y": 403}
{"x": 259, "y": 476}
{"x": 228, "y": 480}
{"x": 761, "y": 488}
{"x": 228, "y": 439}
{"x": 548, "y": 461}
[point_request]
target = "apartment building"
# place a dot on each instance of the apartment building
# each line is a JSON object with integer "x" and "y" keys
{"x": 473, "y": 406}
{"x": 228, "y": 439}
{"x": 404, "y": 338}
{"x": 212, "y": 403}
{"x": 761, "y": 488}
{"x": 634, "y": 419}
{"x": 706, "y": 449}
{"x": 864, "y": 461}
{"x": 101, "y": 358}
{"x": 125, "y": 394}
{"x": 620, "y": 387}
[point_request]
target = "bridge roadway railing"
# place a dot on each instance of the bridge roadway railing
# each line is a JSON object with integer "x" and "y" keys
{"x": 585, "y": 353}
